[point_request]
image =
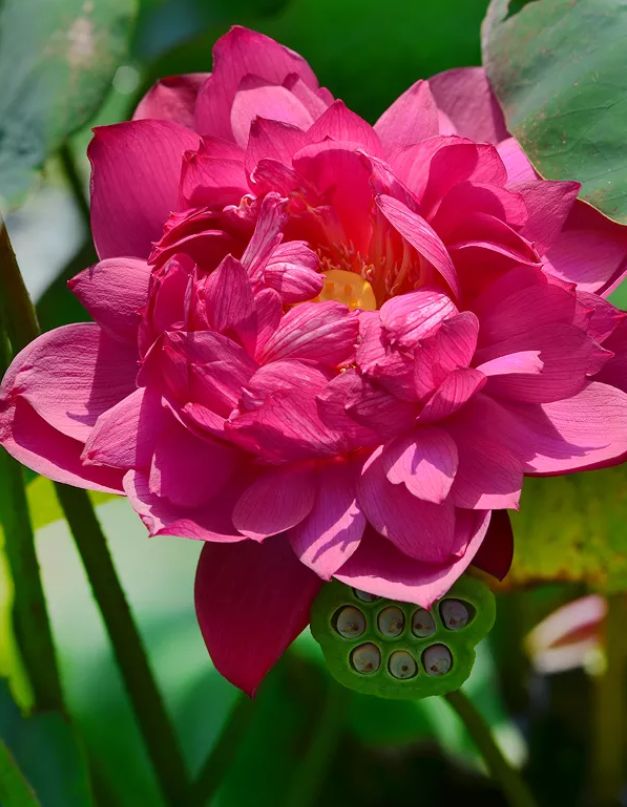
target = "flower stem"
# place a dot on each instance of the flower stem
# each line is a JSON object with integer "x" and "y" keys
{"x": 512, "y": 784}
{"x": 223, "y": 752}
{"x": 610, "y": 712}
{"x": 158, "y": 733}
{"x": 75, "y": 182}
{"x": 19, "y": 314}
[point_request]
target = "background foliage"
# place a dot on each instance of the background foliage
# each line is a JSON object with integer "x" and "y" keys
{"x": 66, "y": 65}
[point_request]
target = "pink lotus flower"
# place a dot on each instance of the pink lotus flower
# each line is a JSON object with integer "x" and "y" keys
{"x": 325, "y": 349}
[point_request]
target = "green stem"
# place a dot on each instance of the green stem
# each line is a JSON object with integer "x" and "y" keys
{"x": 75, "y": 182}
{"x": 325, "y": 737}
{"x": 223, "y": 752}
{"x": 15, "y": 791}
{"x": 512, "y": 784}
{"x": 610, "y": 712}
{"x": 158, "y": 732}
{"x": 32, "y": 626}
{"x": 19, "y": 314}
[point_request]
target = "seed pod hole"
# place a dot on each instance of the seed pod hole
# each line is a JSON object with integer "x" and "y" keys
{"x": 437, "y": 659}
{"x": 349, "y": 622}
{"x": 455, "y": 614}
{"x": 422, "y": 623}
{"x": 364, "y": 596}
{"x": 402, "y": 665}
{"x": 391, "y": 621}
{"x": 366, "y": 658}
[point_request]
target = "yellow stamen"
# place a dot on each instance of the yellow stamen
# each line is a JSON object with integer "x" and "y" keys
{"x": 348, "y": 288}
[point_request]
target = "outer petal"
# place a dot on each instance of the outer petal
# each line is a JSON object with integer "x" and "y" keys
{"x": 213, "y": 176}
{"x": 70, "y": 376}
{"x": 172, "y": 98}
{"x": 273, "y": 101}
{"x": 252, "y": 601}
{"x": 411, "y": 118}
{"x": 332, "y": 531}
{"x": 239, "y": 53}
{"x": 276, "y": 501}
{"x": 378, "y": 566}
{"x": 465, "y": 96}
{"x": 114, "y": 292}
{"x": 340, "y": 123}
{"x": 134, "y": 185}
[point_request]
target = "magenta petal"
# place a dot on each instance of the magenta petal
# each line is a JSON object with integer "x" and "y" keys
{"x": 426, "y": 462}
{"x": 420, "y": 529}
{"x": 292, "y": 270}
{"x": 332, "y": 531}
{"x": 548, "y": 205}
{"x": 134, "y": 184}
{"x": 456, "y": 390}
{"x": 172, "y": 98}
{"x": 516, "y": 162}
{"x": 254, "y": 97}
{"x": 114, "y": 292}
{"x": 496, "y": 553}
{"x": 340, "y": 123}
{"x": 465, "y": 96}
{"x": 411, "y": 118}
{"x": 71, "y": 375}
{"x": 213, "y": 176}
{"x": 411, "y": 317}
{"x": 34, "y": 443}
{"x": 273, "y": 140}
{"x": 252, "y": 601}
{"x": 421, "y": 236}
{"x": 124, "y": 436}
{"x": 276, "y": 500}
{"x": 380, "y": 568}
{"x": 229, "y": 297}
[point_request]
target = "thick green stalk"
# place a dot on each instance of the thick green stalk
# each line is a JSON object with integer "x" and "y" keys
{"x": 19, "y": 314}
{"x": 155, "y": 726}
{"x": 514, "y": 787}
{"x": 609, "y": 753}
{"x": 15, "y": 791}
{"x": 223, "y": 752}
{"x": 30, "y": 615}
{"x": 75, "y": 182}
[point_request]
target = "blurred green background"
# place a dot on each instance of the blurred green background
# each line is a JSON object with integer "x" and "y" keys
{"x": 376, "y": 753}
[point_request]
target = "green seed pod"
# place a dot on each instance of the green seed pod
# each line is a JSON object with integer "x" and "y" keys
{"x": 397, "y": 649}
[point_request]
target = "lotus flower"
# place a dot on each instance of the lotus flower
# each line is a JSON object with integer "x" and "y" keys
{"x": 324, "y": 348}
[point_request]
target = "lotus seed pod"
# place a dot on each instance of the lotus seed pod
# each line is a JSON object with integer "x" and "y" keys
{"x": 455, "y": 614}
{"x": 422, "y": 623}
{"x": 437, "y": 660}
{"x": 350, "y": 622}
{"x": 402, "y": 665}
{"x": 366, "y": 658}
{"x": 398, "y": 649}
{"x": 391, "y": 621}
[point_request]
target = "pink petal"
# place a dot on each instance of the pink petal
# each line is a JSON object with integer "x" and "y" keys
{"x": 456, "y": 390}
{"x": 527, "y": 362}
{"x": 229, "y": 297}
{"x": 209, "y": 522}
{"x": 504, "y": 204}
{"x": 114, "y": 292}
{"x": 172, "y": 98}
{"x": 239, "y": 53}
{"x": 276, "y": 500}
{"x": 380, "y": 568}
{"x": 410, "y": 317}
{"x": 292, "y": 270}
{"x": 254, "y": 97}
{"x": 273, "y": 140}
{"x": 33, "y": 442}
{"x": 134, "y": 184}
{"x": 189, "y": 471}
{"x": 516, "y": 162}
{"x": 323, "y": 332}
{"x": 450, "y": 348}
{"x": 412, "y": 117}
{"x": 418, "y": 528}
{"x": 252, "y": 601}
{"x": 464, "y": 94}
{"x": 548, "y": 205}
{"x": 213, "y": 176}
{"x": 71, "y": 375}
{"x": 124, "y": 436}
{"x": 425, "y": 461}
{"x": 420, "y": 235}
{"x": 332, "y": 531}
{"x": 591, "y": 250}
{"x": 496, "y": 553}
{"x": 340, "y": 123}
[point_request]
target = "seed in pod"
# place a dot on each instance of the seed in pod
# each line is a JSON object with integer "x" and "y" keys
{"x": 350, "y": 622}
{"x": 366, "y": 658}
{"x": 437, "y": 659}
{"x": 402, "y": 665}
{"x": 455, "y": 614}
{"x": 391, "y": 621}
{"x": 422, "y": 623}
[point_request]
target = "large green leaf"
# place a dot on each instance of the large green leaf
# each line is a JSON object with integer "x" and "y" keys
{"x": 57, "y": 59}
{"x": 14, "y": 789}
{"x": 48, "y": 752}
{"x": 558, "y": 69}
{"x": 573, "y": 528}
